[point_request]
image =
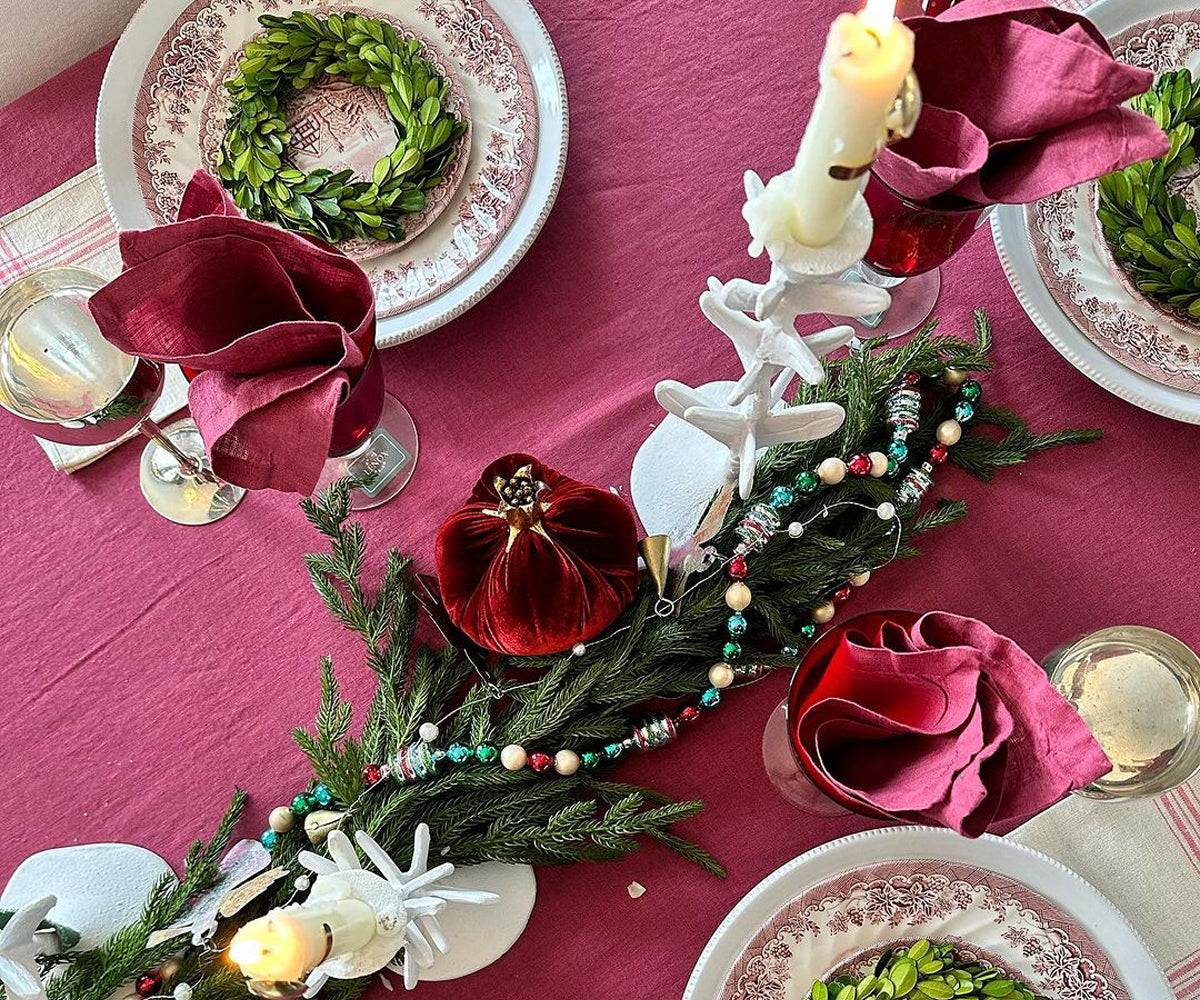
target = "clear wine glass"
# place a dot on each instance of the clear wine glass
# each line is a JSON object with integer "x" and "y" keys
{"x": 66, "y": 383}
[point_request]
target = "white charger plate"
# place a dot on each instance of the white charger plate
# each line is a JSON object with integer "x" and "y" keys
{"x": 517, "y": 152}
{"x": 1034, "y": 912}
{"x": 1014, "y": 244}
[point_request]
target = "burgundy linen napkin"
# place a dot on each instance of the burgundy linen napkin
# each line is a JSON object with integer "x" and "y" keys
{"x": 276, "y": 324}
{"x": 1020, "y": 100}
{"x": 936, "y": 719}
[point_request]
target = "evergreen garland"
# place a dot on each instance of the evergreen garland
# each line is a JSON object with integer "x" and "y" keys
{"x": 487, "y": 813}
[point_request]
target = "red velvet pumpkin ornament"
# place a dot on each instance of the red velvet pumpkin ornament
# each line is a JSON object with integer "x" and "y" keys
{"x": 536, "y": 562}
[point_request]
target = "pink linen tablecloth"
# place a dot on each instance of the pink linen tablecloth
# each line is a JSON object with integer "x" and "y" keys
{"x": 149, "y": 667}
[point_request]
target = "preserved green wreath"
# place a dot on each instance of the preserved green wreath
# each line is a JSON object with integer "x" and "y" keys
{"x": 1152, "y": 232}
{"x": 293, "y": 52}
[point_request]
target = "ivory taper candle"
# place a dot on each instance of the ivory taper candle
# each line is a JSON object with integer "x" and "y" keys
{"x": 867, "y": 56}
{"x": 288, "y": 943}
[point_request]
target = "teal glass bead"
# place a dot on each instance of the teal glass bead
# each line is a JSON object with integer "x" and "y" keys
{"x": 970, "y": 390}
{"x": 790, "y": 651}
{"x": 613, "y": 751}
{"x": 898, "y": 450}
{"x": 322, "y": 796}
{"x": 731, "y": 651}
{"x": 963, "y": 412}
{"x": 302, "y": 805}
{"x": 809, "y": 631}
{"x": 710, "y": 698}
{"x": 893, "y": 465}
{"x": 486, "y": 753}
{"x": 269, "y": 839}
{"x": 782, "y": 496}
{"x": 807, "y": 481}
{"x": 590, "y": 759}
{"x": 737, "y": 624}
{"x": 459, "y": 753}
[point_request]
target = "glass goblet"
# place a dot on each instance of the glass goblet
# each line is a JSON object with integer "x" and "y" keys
{"x": 66, "y": 383}
{"x": 1138, "y": 690}
{"x": 910, "y": 243}
{"x": 374, "y": 438}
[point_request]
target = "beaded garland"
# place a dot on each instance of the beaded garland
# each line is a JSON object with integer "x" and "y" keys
{"x": 421, "y": 760}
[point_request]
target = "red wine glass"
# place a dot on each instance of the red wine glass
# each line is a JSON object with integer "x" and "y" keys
{"x": 910, "y": 243}
{"x": 374, "y": 438}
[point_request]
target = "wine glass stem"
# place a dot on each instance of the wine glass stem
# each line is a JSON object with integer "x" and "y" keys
{"x": 186, "y": 462}
{"x": 876, "y": 278}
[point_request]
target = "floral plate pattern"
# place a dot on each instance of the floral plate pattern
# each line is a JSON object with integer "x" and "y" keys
{"x": 162, "y": 112}
{"x": 1073, "y": 258}
{"x": 844, "y": 923}
{"x": 837, "y": 907}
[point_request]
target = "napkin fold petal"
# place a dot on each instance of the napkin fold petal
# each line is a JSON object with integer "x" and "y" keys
{"x": 936, "y": 719}
{"x": 278, "y": 326}
{"x": 1020, "y": 100}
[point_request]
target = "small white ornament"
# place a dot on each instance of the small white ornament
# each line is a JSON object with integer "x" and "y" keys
{"x": 566, "y": 762}
{"x": 832, "y": 471}
{"x": 949, "y": 432}
{"x": 428, "y": 731}
{"x": 513, "y": 757}
{"x": 886, "y": 511}
{"x": 303, "y": 883}
{"x": 19, "y": 949}
{"x": 578, "y": 649}
{"x": 795, "y": 529}
{"x": 879, "y": 464}
{"x": 860, "y": 579}
{"x": 406, "y": 904}
{"x": 182, "y": 991}
{"x": 720, "y": 675}
{"x": 281, "y": 819}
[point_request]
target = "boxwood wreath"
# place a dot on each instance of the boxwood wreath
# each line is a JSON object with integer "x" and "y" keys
{"x": 1151, "y": 231}
{"x": 480, "y": 811}
{"x": 294, "y": 51}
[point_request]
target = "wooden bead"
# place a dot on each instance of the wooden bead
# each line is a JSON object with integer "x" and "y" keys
{"x": 953, "y": 377}
{"x": 879, "y": 464}
{"x": 832, "y": 471}
{"x": 720, "y": 675}
{"x": 566, "y": 762}
{"x": 513, "y": 757}
{"x": 823, "y": 613}
{"x": 738, "y": 596}
{"x": 949, "y": 431}
{"x": 858, "y": 579}
{"x": 281, "y": 819}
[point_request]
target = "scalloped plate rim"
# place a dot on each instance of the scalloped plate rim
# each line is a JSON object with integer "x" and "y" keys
{"x": 1057, "y": 883}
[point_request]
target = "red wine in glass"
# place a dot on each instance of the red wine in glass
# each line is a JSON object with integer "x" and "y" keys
{"x": 910, "y": 243}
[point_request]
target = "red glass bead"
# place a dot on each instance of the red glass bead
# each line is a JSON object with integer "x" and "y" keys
{"x": 860, "y": 464}
{"x": 738, "y": 568}
{"x": 912, "y": 378}
{"x": 937, "y": 454}
{"x": 689, "y": 714}
{"x": 841, "y": 594}
{"x": 371, "y": 774}
{"x": 148, "y": 983}
{"x": 540, "y": 761}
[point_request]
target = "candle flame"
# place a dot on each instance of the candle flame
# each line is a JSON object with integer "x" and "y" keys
{"x": 246, "y": 951}
{"x": 877, "y": 16}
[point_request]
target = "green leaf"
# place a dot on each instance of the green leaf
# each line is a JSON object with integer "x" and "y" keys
{"x": 430, "y": 109}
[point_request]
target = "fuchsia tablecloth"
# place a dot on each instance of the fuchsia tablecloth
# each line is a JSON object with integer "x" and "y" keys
{"x": 148, "y": 667}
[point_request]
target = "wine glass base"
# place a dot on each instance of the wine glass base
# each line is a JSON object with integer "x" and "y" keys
{"x": 179, "y": 495}
{"x": 787, "y": 775}
{"x": 385, "y": 460}
{"x": 913, "y": 300}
